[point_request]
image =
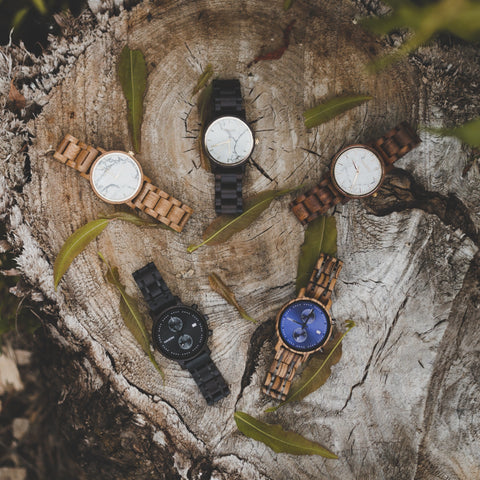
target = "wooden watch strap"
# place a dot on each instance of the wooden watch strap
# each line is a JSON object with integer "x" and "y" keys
{"x": 316, "y": 201}
{"x": 323, "y": 279}
{"x": 396, "y": 143}
{"x": 76, "y": 154}
{"x": 161, "y": 206}
{"x": 285, "y": 364}
{"x": 281, "y": 373}
{"x": 151, "y": 199}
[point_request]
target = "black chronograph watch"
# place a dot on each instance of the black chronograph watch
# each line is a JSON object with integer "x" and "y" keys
{"x": 180, "y": 333}
{"x": 228, "y": 142}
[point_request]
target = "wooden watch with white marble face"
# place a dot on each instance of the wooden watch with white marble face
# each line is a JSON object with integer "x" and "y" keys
{"x": 117, "y": 178}
{"x": 356, "y": 171}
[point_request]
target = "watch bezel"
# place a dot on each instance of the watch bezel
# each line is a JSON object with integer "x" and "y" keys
{"x": 337, "y": 156}
{"x": 327, "y": 313}
{"x": 166, "y": 312}
{"x": 97, "y": 193}
{"x": 210, "y": 157}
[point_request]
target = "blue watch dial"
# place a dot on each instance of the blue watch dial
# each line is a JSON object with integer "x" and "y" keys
{"x": 304, "y": 325}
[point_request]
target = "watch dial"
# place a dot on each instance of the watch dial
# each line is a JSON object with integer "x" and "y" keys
{"x": 116, "y": 177}
{"x": 304, "y": 325}
{"x": 357, "y": 171}
{"x": 228, "y": 140}
{"x": 180, "y": 333}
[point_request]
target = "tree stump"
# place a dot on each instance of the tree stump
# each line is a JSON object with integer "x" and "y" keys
{"x": 403, "y": 401}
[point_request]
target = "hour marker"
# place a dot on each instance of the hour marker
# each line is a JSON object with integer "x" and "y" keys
{"x": 194, "y": 324}
{"x": 318, "y": 332}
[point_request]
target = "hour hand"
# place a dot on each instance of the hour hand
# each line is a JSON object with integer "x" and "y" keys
{"x": 221, "y": 143}
{"x": 295, "y": 321}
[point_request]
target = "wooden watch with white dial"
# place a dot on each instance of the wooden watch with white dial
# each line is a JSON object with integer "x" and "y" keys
{"x": 116, "y": 177}
{"x": 356, "y": 171}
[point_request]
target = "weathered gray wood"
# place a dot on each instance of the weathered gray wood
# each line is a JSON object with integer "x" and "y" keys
{"x": 408, "y": 368}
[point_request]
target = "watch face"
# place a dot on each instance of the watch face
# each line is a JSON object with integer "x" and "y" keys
{"x": 228, "y": 141}
{"x": 180, "y": 333}
{"x": 357, "y": 171}
{"x": 116, "y": 177}
{"x": 304, "y": 325}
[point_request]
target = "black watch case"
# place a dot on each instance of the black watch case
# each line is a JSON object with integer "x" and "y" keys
{"x": 180, "y": 333}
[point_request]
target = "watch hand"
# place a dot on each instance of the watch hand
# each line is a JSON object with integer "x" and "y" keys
{"x": 295, "y": 321}
{"x": 221, "y": 143}
{"x": 355, "y": 165}
{"x": 355, "y": 179}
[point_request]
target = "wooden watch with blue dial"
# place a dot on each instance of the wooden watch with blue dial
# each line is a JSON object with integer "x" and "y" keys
{"x": 303, "y": 326}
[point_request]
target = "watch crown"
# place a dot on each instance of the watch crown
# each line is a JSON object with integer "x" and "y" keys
{"x": 195, "y": 306}
{"x": 210, "y": 332}
{"x": 257, "y": 141}
{"x": 375, "y": 194}
{"x": 334, "y": 321}
{"x": 131, "y": 153}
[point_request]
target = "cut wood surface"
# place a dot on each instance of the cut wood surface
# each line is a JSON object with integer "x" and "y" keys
{"x": 403, "y": 402}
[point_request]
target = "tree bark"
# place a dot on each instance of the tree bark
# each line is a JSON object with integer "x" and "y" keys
{"x": 403, "y": 401}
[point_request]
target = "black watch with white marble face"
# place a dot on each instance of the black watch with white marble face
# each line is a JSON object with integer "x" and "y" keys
{"x": 180, "y": 333}
{"x": 228, "y": 142}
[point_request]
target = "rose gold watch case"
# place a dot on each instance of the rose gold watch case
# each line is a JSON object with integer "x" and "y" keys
{"x": 136, "y": 191}
{"x": 277, "y": 326}
{"x": 334, "y": 161}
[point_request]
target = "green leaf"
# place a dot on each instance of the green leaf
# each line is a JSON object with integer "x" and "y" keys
{"x": 131, "y": 314}
{"x": 317, "y": 371}
{"x": 133, "y": 218}
{"x": 203, "y": 79}
{"x": 132, "y": 72}
{"x": 75, "y": 244}
{"x": 219, "y": 286}
{"x": 40, "y": 6}
{"x": 468, "y": 133}
{"x": 79, "y": 239}
{"x": 326, "y": 111}
{"x": 278, "y": 439}
{"x": 287, "y": 4}
{"x": 320, "y": 237}
{"x": 224, "y": 226}
{"x": 460, "y": 17}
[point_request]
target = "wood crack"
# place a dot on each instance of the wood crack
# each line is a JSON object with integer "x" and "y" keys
{"x": 401, "y": 192}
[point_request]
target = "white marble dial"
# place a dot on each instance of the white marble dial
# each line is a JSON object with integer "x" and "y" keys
{"x": 357, "y": 171}
{"x": 228, "y": 140}
{"x": 116, "y": 177}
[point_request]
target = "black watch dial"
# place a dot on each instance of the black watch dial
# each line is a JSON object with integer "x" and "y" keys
{"x": 180, "y": 333}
